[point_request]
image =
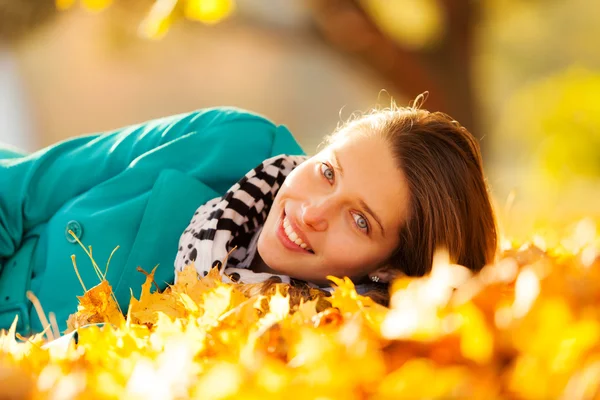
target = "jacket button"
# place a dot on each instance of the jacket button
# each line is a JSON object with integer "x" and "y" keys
{"x": 77, "y": 230}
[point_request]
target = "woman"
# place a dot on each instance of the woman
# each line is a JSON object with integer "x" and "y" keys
{"x": 387, "y": 190}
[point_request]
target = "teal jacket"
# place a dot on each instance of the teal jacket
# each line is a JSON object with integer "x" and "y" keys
{"x": 136, "y": 188}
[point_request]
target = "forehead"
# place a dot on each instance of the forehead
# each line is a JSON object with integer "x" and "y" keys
{"x": 371, "y": 173}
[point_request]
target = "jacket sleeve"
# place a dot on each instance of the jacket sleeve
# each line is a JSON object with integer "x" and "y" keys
{"x": 7, "y": 151}
{"x": 36, "y": 186}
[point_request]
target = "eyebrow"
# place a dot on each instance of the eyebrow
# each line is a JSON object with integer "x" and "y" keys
{"x": 361, "y": 201}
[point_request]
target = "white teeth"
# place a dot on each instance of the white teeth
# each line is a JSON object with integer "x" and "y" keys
{"x": 293, "y": 236}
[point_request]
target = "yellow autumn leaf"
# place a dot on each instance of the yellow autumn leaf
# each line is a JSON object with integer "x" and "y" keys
{"x": 146, "y": 309}
{"x": 204, "y": 338}
{"x": 215, "y": 303}
{"x": 96, "y": 5}
{"x": 97, "y": 305}
{"x": 477, "y": 341}
{"x": 195, "y": 287}
{"x": 412, "y": 24}
{"x": 208, "y": 11}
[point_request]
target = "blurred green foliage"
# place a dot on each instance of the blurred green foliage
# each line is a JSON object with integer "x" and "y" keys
{"x": 558, "y": 119}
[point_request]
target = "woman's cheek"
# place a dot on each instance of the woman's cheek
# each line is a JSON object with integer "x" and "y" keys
{"x": 342, "y": 246}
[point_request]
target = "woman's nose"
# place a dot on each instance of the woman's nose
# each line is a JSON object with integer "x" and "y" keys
{"x": 316, "y": 214}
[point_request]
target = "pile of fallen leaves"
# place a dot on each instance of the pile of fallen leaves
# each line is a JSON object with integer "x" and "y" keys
{"x": 527, "y": 327}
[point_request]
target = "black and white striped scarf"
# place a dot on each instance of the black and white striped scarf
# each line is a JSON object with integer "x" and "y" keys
{"x": 235, "y": 221}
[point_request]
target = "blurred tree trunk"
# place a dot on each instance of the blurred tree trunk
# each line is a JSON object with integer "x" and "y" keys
{"x": 443, "y": 69}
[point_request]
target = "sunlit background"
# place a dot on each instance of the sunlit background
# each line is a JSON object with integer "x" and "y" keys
{"x": 523, "y": 76}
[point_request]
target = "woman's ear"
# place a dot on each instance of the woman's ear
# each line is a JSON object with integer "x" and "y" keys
{"x": 385, "y": 274}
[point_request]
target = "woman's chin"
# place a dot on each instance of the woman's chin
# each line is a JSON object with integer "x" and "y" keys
{"x": 277, "y": 260}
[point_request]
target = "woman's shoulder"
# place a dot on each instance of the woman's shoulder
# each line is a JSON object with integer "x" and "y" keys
{"x": 231, "y": 113}
{"x": 224, "y": 123}
{"x": 236, "y": 127}
{"x": 217, "y": 116}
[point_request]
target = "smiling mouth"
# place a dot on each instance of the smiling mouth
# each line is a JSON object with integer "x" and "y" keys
{"x": 292, "y": 236}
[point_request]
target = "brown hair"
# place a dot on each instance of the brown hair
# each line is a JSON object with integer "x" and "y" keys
{"x": 450, "y": 205}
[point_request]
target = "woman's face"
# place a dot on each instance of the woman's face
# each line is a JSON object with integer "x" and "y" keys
{"x": 338, "y": 213}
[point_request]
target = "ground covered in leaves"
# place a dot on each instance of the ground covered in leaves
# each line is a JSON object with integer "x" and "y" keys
{"x": 527, "y": 327}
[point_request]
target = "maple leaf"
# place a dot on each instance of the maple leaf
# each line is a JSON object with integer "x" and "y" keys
{"x": 345, "y": 298}
{"x": 145, "y": 310}
{"x": 190, "y": 283}
{"x": 97, "y": 305}
{"x": 215, "y": 303}
{"x": 305, "y": 311}
{"x": 517, "y": 322}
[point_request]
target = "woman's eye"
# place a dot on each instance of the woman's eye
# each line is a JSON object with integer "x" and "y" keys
{"x": 361, "y": 222}
{"x": 327, "y": 172}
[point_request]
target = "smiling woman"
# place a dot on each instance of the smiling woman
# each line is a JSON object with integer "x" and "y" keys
{"x": 388, "y": 190}
{"x": 340, "y": 210}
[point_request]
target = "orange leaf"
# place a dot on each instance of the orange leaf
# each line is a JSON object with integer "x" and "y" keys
{"x": 97, "y": 305}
